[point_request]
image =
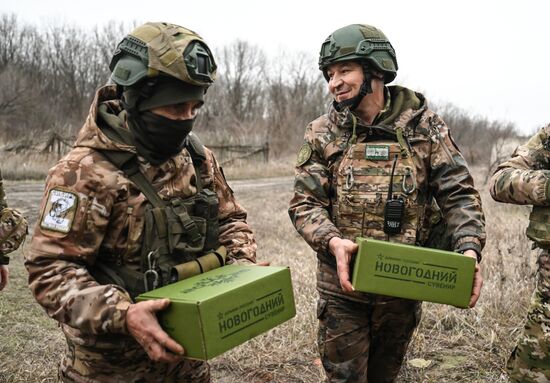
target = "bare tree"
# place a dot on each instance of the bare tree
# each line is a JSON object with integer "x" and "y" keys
{"x": 8, "y": 43}
{"x": 297, "y": 94}
{"x": 482, "y": 142}
{"x": 48, "y": 76}
{"x": 236, "y": 103}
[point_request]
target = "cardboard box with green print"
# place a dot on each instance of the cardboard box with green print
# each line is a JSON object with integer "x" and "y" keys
{"x": 413, "y": 272}
{"x": 213, "y": 312}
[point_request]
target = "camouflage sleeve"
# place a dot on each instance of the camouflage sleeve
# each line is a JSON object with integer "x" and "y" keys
{"x": 524, "y": 178}
{"x": 73, "y": 219}
{"x": 310, "y": 205}
{"x": 454, "y": 190}
{"x": 235, "y": 233}
{"x": 3, "y": 202}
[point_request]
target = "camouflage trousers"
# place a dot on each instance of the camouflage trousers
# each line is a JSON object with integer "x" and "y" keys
{"x": 530, "y": 360}
{"x": 116, "y": 358}
{"x": 362, "y": 337}
{"x": 365, "y": 342}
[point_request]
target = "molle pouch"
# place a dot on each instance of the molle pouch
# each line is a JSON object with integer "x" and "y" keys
{"x": 186, "y": 233}
{"x": 171, "y": 236}
{"x": 363, "y": 181}
{"x": 178, "y": 233}
{"x": 170, "y": 231}
{"x": 206, "y": 207}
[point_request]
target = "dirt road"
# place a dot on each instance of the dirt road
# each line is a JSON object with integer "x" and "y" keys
{"x": 26, "y": 196}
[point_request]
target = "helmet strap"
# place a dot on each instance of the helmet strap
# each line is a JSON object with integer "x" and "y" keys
{"x": 131, "y": 104}
{"x": 145, "y": 91}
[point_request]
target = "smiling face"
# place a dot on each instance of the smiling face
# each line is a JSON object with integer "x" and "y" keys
{"x": 345, "y": 79}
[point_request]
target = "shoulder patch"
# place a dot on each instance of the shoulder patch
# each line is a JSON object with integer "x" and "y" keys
{"x": 60, "y": 211}
{"x": 303, "y": 155}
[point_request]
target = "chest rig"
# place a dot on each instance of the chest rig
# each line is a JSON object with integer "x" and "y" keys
{"x": 180, "y": 236}
{"x": 377, "y": 195}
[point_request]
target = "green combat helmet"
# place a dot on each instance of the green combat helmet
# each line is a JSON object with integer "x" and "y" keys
{"x": 365, "y": 44}
{"x": 162, "y": 52}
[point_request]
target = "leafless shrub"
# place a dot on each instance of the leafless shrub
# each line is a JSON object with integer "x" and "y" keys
{"x": 48, "y": 76}
{"x": 482, "y": 141}
{"x": 256, "y": 101}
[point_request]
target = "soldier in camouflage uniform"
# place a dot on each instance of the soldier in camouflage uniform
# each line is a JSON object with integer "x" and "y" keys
{"x": 524, "y": 180}
{"x": 371, "y": 137}
{"x": 13, "y": 230}
{"x": 92, "y": 251}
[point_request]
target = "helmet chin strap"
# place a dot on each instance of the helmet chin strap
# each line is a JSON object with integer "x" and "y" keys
{"x": 134, "y": 96}
{"x": 366, "y": 88}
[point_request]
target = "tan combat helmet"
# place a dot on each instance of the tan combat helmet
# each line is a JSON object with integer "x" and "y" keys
{"x": 159, "y": 53}
{"x": 155, "y": 48}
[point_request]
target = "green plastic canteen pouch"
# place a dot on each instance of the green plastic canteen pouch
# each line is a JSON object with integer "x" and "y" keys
{"x": 215, "y": 311}
{"x": 413, "y": 272}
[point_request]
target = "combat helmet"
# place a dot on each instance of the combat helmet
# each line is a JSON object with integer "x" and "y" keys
{"x": 362, "y": 43}
{"x": 166, "y": 54}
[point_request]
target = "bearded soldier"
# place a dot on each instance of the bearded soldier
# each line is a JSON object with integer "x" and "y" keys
{"x": 343, "y": 174}
{"x": 524, "y": 180}
{"x": 13, "y": 230}
{"x": 137, "y": 195}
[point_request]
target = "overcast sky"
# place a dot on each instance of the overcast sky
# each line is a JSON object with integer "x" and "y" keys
{"x": 491, "y": 58}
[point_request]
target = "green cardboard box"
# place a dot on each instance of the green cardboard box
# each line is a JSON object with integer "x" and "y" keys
{"x": 213, "y": 312}
{"x": 413, "y": 272}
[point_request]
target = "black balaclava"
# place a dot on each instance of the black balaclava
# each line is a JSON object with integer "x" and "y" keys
{"x": 158, "y": 138}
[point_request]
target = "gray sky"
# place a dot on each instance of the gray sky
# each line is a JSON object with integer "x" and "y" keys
{"x": 488, "y": 57}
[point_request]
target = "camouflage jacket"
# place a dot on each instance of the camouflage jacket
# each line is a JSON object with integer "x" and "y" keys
{"x": 104, "y": 214}
{"x": 441, "y": 171}
{"x": 13, "y": 228}
{"x": 525, "y": 178}
{"x": 3, "y": 203}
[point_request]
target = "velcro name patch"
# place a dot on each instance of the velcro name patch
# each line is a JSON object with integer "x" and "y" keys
{"x": 377, "y": 152}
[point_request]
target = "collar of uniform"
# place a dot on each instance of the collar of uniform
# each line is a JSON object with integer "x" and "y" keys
{"x": 387, "y": 107}
{"x": 344, "y": 120}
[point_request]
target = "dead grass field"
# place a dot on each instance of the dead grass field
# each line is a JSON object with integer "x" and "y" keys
{"x": 35, "y": 166}
{"x": 462, "y": 345}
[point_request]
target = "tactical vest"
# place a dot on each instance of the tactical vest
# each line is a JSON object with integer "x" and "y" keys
{"x": 362, "y": 182}
{"x": 180, "y": 236}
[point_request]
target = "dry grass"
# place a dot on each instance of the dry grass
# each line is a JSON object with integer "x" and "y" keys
{"x": 240, "y": 170}
{"x": 463, "y": 345}
{"x": 35, "y": 166}
{"x": 30, "y": 166}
